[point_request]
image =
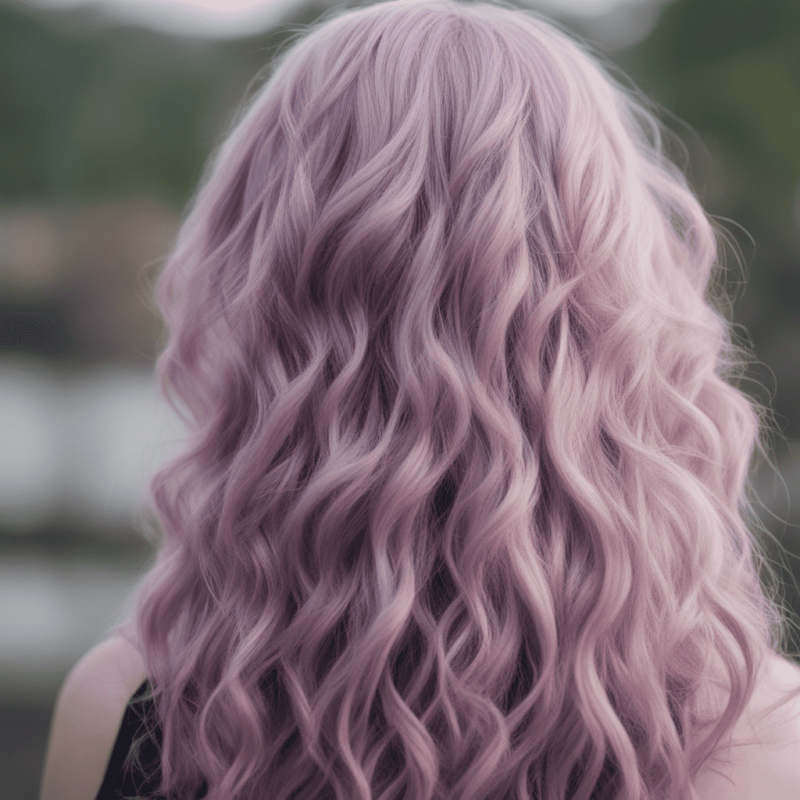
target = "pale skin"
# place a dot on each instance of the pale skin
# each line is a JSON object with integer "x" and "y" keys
{"x": 92, "y": 701}
{"x": 87, "y": 717}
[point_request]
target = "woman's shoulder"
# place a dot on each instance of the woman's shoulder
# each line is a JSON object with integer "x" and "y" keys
{"x": 86, "y": 719}
{"x": 761, "y": 759}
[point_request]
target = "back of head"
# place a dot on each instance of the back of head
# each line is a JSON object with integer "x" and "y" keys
{"x": 460, "y": 516}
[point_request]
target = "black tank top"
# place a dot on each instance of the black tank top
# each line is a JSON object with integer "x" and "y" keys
{"x": 136, "y": 777}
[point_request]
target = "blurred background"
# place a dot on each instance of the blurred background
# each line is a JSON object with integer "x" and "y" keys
{"x": 107, "y": 114}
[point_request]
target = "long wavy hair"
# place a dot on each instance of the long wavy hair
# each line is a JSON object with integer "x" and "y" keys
{"x": 463, "y": 512}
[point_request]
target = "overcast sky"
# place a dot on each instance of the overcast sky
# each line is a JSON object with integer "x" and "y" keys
{"x": 236, "y": 18}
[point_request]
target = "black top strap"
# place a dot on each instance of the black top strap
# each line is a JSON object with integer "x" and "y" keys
{"x": 134, "y": 772}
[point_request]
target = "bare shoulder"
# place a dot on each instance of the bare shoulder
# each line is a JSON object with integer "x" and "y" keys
{"x": 86, "y": 719}
{"x": 762, "y": 760}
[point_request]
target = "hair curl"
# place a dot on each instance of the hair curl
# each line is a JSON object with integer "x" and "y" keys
{"x": 463, "y": 510}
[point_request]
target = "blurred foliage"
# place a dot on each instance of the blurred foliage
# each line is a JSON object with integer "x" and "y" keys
{"x": 86, "y": 112}
{"x": 732, "y": 70}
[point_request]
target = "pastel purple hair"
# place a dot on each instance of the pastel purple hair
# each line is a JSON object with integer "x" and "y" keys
{"x": 463, "y": 512}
